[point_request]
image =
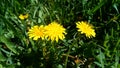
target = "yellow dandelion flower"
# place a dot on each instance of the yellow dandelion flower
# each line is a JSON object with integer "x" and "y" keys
{"x": 22, "y": 17}
{"x": 86, "y": 28}
{"x": 55, "y": 31}
{"x": 26, "y": 16}
{"x": 36, "y": 32}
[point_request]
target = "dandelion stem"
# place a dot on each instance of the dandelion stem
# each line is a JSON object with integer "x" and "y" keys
{"x": 67, "y": 57}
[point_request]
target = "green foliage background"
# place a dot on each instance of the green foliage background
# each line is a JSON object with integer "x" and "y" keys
{"x": 18, "y": 51}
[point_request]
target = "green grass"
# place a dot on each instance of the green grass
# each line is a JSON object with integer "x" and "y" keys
{"x": 18, "y": 51}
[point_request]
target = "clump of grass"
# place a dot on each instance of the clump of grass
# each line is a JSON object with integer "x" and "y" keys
{"x": 62, "y": 46}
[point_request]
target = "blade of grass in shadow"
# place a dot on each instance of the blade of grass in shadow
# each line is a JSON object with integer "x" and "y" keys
{"x": 117, "y": 59}
{"x": 9, "y": 44}
{"x": 92, "y": 11}
{"x": 2, "y": 58}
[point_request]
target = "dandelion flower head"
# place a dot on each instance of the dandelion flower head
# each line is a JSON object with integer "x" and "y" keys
{"x": 86, "y": 28}
{"x": 22, "y": 17}
{"x": 55, "y": 31}
{"x": 36, "y": 32}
